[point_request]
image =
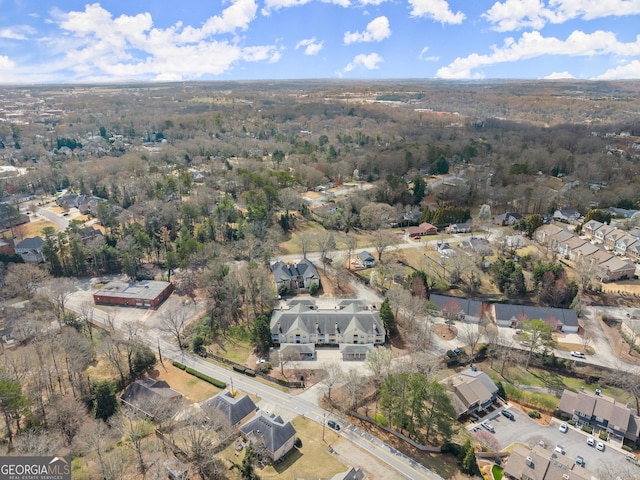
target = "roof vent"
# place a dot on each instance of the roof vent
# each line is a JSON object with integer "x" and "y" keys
{"x": 565, "y": 476}
{"x": 530, "y": 461}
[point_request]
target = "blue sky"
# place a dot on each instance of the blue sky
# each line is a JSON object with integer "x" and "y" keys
{"x": 70, "y": 41}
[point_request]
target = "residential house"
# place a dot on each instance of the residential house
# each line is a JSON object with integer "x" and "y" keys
{"x": 459, "y": 228}
{"x": 31, "y": 250}
{"x": 507, "y": 219}
{"x": 349, "y": 321}
{"x": 233, "y": 409}
{"x": 276, "y": 435}
{"x": 470, "y": 391}
{"x": 601, "y": 233}
{"x": 621, "y": 212}
{"x": 351, "y": 474}
{"x": 612, "y": 238}
{"x": 623, "y": 243}
{"x": 567, "y": 246}
{"x": 479, "y": 245}
{"x": 148, "y": 395}
{"x": 366, "y": 259}
{"x": 599, "y": 256}
{"x": 545, "y": 232}
{"x": 584, "y": 250}
{"x": 295, "y": 276}
{"x": 422, "y": 230}
{"x": 560, "y": 319}
{"x": 568, "y": 216}
{"x": 456, "y": 308}
{"x": 539, "y": 463}
{"x": 589, "y": 228}
{"x": 357, "y": 352}
{"x": 326, "y": 209}
{"x": 633, "y": 252}
{"x": 602, "y": 413}
{"x": 616, "y": 269}
{"x": 298, "y": 351}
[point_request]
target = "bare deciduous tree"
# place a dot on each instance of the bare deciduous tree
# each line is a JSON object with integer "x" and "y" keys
{"x": 333, "y": 376}
{"x": 57, "y": 292}
{"x": 174, "y": 322}
{"x": 382, "y": 240}
{"x": 378, "y": 361}
{"x": 471, "y": 335}
{"x": 24, "y": 279}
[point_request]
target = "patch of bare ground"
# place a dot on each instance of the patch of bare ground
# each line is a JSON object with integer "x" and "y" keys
{"x": 446, "y": 332}
{"x": 194, "y": 389}
{"x": 618, "y": 344}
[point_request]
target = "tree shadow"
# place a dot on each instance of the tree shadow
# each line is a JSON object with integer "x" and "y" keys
{"x": 290, "y": 458}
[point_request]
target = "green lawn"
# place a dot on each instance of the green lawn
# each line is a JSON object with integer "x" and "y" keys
{"x": 496, "y": 471}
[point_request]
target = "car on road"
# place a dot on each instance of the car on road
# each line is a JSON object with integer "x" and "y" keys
{"x": 563, "y": 427}
{"x": 559, "y": 449}
{"x": 600, "y": 446}
{"x": 578, "y": 355}
{"x": 590, "y": 441}
{"x": 333, "y": 425}
{"x": 509, "y": 415}
{"x": 488, "y": 426}
{"x": 580, "y": 461}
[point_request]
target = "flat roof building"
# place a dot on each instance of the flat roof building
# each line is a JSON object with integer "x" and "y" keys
{"x": 145, "y": 294}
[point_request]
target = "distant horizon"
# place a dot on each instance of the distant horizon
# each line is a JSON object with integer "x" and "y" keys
{"x": 73, "y": 42}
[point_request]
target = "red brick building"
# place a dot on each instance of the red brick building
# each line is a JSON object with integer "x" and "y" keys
{"x": 145, "y": 294}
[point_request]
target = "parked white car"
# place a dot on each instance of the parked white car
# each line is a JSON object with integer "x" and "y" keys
{"x": 578, "y": 355}
{"x": 600, "y": 446}
{"x": 563, "y": 427}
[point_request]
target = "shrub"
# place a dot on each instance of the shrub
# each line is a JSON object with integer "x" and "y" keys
{"x": 452, "y": 448}
{"x": 313, "y": 289}
{"x": 381, "y": 420}
{"x": 197, "y": 343}
{"x": 179, "y": 365}
{"x": 297, "y": 442}
{"x": 571, "y": 422}
{"x": 213, "y": 381}
{"x": 587, "y": 429}
{"x": 627, "y": 448}
{"x": 534, "y": 414}
{"x": 450, "y": 354}
{"x": 603, "y": 436}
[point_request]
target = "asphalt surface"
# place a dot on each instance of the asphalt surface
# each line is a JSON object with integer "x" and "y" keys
{"x": 294, "y": 404}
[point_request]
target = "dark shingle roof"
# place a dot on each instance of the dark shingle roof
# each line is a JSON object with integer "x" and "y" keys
{"x": 272, "y": 429}
{"x": 234, "y": 409}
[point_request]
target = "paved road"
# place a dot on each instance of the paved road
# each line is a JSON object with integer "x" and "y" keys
{"x": 296, "y": 404}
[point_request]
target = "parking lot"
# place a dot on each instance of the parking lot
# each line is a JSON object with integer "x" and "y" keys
{"x": 525, "y": 430}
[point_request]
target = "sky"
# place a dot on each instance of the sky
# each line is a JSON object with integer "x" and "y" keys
{"x": 68, "y": 41}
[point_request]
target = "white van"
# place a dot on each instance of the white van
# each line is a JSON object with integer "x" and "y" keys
{"x": 590, "y": 441}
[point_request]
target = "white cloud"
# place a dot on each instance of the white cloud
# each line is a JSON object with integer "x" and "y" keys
{"x": 517, "y": 14}
{"x": 629, "y": 71}
{"x": 370, "y": 62}
{"x": 271, "y": 5}
{"x": 312, "y": 46}
{"x": 438, "y": 10}
{"x": 17, "y": 32}
{"x": 559, "y": 76}
{"x": 96, "y": 45}
{"x": 423, "y": 56}
{"x": 376, "y": 31}
{"x": 6, "y": 63}
{"x": 533, "y": 44}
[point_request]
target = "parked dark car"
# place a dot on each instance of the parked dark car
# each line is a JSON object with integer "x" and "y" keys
{"x": 333, "y": 425}
{"x": 509, "y": 415}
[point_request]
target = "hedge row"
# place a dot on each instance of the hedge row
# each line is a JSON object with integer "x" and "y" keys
{"x": 213, "y": 381}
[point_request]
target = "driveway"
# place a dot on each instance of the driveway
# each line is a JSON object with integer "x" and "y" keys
{"x": 525, "y": 430}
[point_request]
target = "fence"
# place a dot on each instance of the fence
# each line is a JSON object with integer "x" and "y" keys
{"x": 252, "y": 373}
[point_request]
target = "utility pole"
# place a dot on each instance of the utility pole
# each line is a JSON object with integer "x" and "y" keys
{"x": 324, "y": 425}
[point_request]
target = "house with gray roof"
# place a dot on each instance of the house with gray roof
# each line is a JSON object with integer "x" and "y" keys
{"x": 601, "y": 412}
{"x": 366, "y": 259}
{"x": 458, "y": 308}
{"x": 560, "y": 319}
{"x": 30, "y": 249}
{"x": 277, "y": 435}
{"x": 233, "y": 408}
{"x": 589, "y": 228}
{"x": 347, "y": 322}
{"x": 148, "y": 394}
{"x": 295, "y": 276}
{"x": 538, "y": 463}
{"x": 470, "y": 391}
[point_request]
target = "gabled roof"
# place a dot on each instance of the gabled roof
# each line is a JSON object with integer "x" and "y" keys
{"x": 284, "y": 272}
{"x": 233, "y": 408}
{"x": 145, "y": 391}
{"x": 592, "y": 225}
{"x": 366, "y": 257}
{"x": 272, "y": 429}
{"x": 347, "y": 316}
{"x": 30, "y": 243}
{"x": 470, "y": 387}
